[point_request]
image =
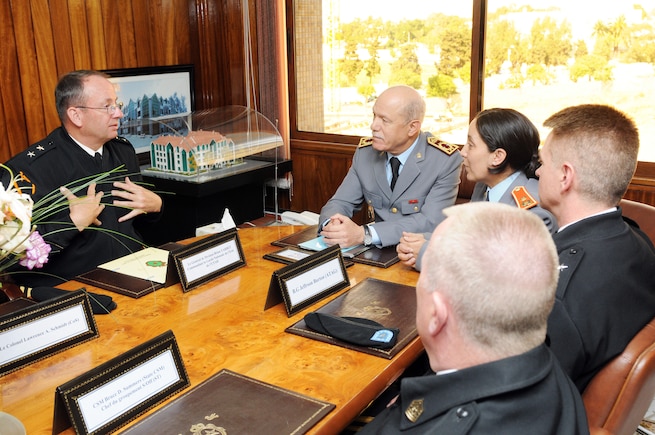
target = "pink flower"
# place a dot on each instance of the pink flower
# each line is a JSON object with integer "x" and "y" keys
{"x": 37, "y": 252}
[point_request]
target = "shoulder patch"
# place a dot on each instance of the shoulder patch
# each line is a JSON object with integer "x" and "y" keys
{"x": 523, "y": 198}
{"x": 446, "y": 147}
{"x": 121, "y": 139}
{"x": 38, "y": 149}
{"x": 365, "y": 142}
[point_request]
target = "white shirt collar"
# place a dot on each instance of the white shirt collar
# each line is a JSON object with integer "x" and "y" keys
{"x": 88, "y": 150}
{"x": 609, "y": 210}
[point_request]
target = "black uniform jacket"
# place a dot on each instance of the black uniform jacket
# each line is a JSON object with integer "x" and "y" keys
{"x": 605, "y": 293}
{"x": 527, "y": 393}
{"x": 58, "y": 161}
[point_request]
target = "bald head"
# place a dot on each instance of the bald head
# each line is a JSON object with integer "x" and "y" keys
{"x": 406, "y": 100}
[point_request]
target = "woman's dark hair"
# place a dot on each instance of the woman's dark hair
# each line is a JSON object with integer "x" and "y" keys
{"x": 513, "y": 132}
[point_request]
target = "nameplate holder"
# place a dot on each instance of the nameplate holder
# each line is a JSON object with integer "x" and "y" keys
{"x": 111, "y": 395}
{"x": 308, "y": 280}
{"x": 41, "y": 330}
{"x": 209, "y": 258}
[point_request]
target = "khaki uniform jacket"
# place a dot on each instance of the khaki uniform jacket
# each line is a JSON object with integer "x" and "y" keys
{"x": 428, "y": 183}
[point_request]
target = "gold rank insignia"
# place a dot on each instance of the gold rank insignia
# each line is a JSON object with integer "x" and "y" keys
{"x": 370, "y": 212}
{"x": 522, "y": 198}
{"x": 446, "y": 147}
{"x": 414, "y": 410}
{"x": 365, "y": 141}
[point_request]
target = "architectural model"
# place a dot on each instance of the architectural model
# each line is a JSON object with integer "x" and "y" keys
{"x": 202, "y": 151}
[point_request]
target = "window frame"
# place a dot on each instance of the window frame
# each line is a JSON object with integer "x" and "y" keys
{"x": 644, "y": 175}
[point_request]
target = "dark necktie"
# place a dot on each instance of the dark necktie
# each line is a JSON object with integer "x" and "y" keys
{"x": 395, "y": 166}
{"x": 98, "y": 159}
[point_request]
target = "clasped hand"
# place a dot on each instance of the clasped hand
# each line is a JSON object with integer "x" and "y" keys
{"x": 409, "y": 247}
{"x": 343, "y": 231}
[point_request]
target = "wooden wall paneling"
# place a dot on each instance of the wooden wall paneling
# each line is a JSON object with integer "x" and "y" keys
{"x": 642, "y": 187}
{"x": 230, "y": 27}
{"x": 269, "y": 57}
{"x": 641, "y": 194}
{"x": 250, "y": 58}
{"x": 96, "y": 35}
{"x": 163, "y": 30}
{"x": 204, "y": 51}
{"x": 79, "y": 35}
{"x": 144, "y": 44}
{"x": 180, "y": 33}
{"x": 45, "y": 56}
{"x": 29, "y": 69}
{"x": 318, "y": 170}
{"x": 4, "y": 134}
{"x": 111, "y": 29}
{"x": 216, "y": 31}
{"x": 124, "y": 26}
{"x": 13, "y": 128}
{"x": 61, "y": 35}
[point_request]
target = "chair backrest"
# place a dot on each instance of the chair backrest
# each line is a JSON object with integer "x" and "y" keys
{"x": 618, "y": 397}
{"x": 643, "y": 214}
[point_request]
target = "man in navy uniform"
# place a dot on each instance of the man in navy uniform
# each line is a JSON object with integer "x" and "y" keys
{"x": 606, "y": 289}
{"x": 404, "y": 176}
{"x": 483, "y": 299}
{"x": 97, "y": 226}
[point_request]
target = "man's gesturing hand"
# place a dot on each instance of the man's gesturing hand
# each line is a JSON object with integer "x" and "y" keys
{"x": 84, "y": 210}
{"x": 137, "y": 198}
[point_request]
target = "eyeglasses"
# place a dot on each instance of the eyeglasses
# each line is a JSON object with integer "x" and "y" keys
{"x": 109, "y": 109}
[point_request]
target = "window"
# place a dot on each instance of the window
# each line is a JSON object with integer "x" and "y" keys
{"x": 539, "y": 57}
{"x": 544, "y": 56}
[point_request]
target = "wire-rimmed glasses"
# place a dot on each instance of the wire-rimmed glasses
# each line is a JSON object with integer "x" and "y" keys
{"x": 109, "y": 109}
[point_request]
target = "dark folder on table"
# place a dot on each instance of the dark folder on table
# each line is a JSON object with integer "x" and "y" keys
{"x": 379, "y": 257}
{"x": 232, "y": 403}
{"x": 131, "y": 285}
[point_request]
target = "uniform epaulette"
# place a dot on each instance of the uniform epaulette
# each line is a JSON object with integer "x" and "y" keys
{"x": 38, "y": 149}
{"x": 523, "y": 198}
{"x": 365, "y": 142}
{"x": 122, "y": 140}
{"x": 446, "y": 147}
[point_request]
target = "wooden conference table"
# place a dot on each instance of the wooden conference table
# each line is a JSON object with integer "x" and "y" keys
{"x": 222, "y": 324}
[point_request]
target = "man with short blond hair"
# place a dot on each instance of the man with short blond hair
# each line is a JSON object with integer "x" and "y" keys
{"x": 606, "y": 290}
{"x": 483, "y": 300}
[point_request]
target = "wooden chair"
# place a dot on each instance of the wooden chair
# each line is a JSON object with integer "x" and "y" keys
{"x": 641, "y": 213}
{"x": 618, "y": 397}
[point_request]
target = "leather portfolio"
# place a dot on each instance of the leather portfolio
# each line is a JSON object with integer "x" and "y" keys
{"x": 129, "y": 285}
{"x": 231, "y": 403}
{"x": 14, "y": 305}
{"x": 296, "y": 239}
{"x": 373, "y": 256}
{"x": 390, "y": 304}
{"x": 379, "y": 257}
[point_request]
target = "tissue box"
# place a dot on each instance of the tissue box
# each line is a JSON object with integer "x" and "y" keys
{"x": 214, "y": 228}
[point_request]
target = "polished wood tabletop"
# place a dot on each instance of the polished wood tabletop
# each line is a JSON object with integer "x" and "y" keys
{"x": 223, "y": 325}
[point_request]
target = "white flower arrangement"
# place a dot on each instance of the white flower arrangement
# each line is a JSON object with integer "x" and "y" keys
{"x": 19, "y": 240}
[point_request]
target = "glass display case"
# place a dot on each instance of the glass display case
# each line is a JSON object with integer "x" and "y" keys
{"x": 208, "y": 144}
{"x": 206, "y": 161}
